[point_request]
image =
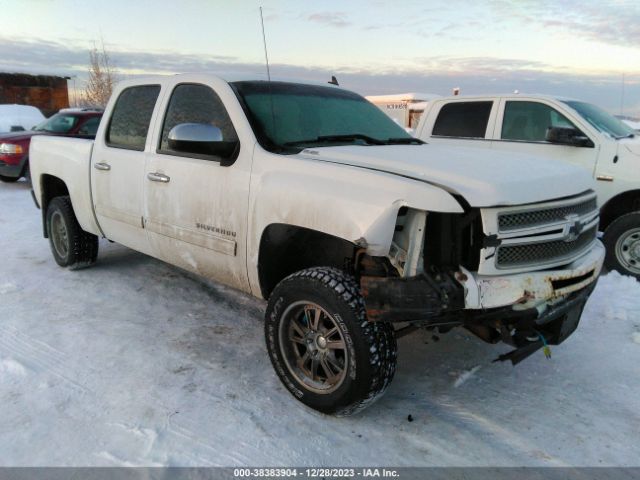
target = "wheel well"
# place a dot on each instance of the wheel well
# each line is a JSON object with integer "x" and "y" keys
{"x": 50, "y": 187}
{"x": 626, "y": 202}
{"x": 285, "y": 249}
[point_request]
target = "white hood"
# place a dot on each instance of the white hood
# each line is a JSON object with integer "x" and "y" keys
{"x": 484, "y": 177}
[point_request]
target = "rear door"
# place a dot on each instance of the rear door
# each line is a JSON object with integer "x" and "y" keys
{"x": 118, "y": 167}
{"x": 461, "y": 122}
{"x": 196, "y": 204}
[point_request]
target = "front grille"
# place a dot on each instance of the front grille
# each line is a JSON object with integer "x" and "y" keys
{"x": 511, "y": 256}
{"x": 534, "y": 218}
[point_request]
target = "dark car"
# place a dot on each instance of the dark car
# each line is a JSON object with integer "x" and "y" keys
{"x": 14, "y": 146}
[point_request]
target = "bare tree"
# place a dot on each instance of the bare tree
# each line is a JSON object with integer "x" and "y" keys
{"x": 101, "y": 78}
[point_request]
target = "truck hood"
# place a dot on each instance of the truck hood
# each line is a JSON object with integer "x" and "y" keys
{"x": 18, "y": 136}
{"x": 484, "y": 177}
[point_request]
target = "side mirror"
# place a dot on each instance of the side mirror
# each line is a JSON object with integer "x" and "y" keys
{"x": 568, "y": 136}
{"x": 202, "y": 139}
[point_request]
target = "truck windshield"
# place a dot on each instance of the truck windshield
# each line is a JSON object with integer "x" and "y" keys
{"x": 59, "y": 123}
{"x": 289, "y": 117}
{"x": 600, "y": 119}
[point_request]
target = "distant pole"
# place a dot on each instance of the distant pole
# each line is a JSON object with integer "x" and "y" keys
{"x": 75, "y": 92}
{"x": 622, "y": 97}
{"x": 264, "y": 41}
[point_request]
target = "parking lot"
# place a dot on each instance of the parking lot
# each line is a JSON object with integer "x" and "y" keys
{"x": 134, "y": 362}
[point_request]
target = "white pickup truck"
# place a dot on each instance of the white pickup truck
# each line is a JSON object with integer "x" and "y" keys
{"x": 564, "y": 130}
{"x": 312, "y": 198}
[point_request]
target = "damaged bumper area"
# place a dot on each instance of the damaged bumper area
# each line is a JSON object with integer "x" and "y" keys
{"x": 532, "y": 289}
{"x": 525, "y": 310}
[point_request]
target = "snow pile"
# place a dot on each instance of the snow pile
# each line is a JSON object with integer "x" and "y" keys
{"x": 24, "y": 116}
{"x": 9, "y": 366}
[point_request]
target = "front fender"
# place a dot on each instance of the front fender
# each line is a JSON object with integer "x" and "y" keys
{"x": 351, "y": 203}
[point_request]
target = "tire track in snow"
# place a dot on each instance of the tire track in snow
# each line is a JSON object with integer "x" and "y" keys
{"x": 35, "y": 355}
{"x": 486, "y": 427}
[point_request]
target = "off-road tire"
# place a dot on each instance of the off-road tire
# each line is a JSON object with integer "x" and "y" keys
{"x": 616, "y": 232}
{"x": 80, "y": 247}
{"x": 371, "y": 347}
{"x": 6, "y": 179}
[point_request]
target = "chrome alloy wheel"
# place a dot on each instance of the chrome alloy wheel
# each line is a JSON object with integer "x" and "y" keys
{"x": 628, "y": 250}
{"x": 313, "y": 347}
{"x": 59, "y": 234}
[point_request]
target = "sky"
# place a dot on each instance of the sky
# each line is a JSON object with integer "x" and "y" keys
{"x": 583, "y": 49}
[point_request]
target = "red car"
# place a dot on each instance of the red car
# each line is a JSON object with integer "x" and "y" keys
{"x": 14, "y": 146}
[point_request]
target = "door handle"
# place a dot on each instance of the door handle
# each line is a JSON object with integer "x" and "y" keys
{"x": 102, "y": 166}
{"x": 158, "y": 177}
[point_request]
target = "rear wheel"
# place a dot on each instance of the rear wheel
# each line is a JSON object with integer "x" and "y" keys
{"x": 323, "y": 348}
{"x": 71, "y": 246}
{"x": 622, "y": 239}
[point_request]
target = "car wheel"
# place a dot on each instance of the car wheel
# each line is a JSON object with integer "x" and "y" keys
{"x": 71, "y": 246}
{"x": 323, "y": 348}
{"x": 622, "y": 239}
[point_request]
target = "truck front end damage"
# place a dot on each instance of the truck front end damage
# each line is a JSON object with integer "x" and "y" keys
{"x": 520, "y": 275}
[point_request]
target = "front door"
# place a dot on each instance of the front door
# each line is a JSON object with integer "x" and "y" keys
{"x": 196, "y": 204}
{"x": 524, "y": 127}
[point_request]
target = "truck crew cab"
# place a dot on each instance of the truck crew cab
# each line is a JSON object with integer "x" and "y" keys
{"x": 310, "y": 197}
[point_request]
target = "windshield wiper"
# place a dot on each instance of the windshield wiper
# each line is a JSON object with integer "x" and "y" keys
{"x": 405, "y": 141}
{"x": 339, "y": 138}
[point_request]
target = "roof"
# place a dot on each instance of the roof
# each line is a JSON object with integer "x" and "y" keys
{"x": 540, "y": 96}
{"x": 402, "y": 97}
{"x": 227, "y": 77}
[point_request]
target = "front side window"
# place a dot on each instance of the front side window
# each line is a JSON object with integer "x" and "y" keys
{"x": 191, "y": 103}
{"x": 529, "y": 121}
{"x": 463, "y": 120}
{"x": 288, "y": 117}
{"x": 59, "y": 123}
{"x": 131, "y": 117}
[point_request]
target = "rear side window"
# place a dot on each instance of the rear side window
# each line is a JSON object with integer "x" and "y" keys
{"x": 192, "y": 103}
{"x": 131, "y": 116}
{"x": 463, "y": 119}
{"x": 90, "y": 127}
{"x": 529, "y": 121}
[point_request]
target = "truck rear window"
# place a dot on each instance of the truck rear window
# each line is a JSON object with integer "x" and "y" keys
{"x": 129, "y": 123}
{"x": 463, "y": 119}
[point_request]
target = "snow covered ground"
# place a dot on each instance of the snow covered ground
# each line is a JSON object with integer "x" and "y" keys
{"x": 134, "y": 362}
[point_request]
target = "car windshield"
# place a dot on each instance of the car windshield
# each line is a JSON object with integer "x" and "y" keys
{"x": 59, "y": 123}
{"x": 289, "y": 117}
{"x": 600, "y": 119}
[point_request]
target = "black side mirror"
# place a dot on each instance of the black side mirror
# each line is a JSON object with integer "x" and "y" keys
{"x": 568, "y": 136}
{"x": 201, "y": 139}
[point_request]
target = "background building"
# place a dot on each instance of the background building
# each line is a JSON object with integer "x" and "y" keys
{"x": 46, "y": 92}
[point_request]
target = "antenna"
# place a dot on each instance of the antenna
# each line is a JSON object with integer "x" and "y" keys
{"x": 264, "y": 41}
{"x": 622, "y": 97}
{"x": 266, "y": 58}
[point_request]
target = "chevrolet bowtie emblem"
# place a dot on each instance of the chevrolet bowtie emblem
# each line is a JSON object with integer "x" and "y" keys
{"x": 575, "y": 228}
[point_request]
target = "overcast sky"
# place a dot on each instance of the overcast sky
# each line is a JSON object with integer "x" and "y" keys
{"x": 572, "y": 48}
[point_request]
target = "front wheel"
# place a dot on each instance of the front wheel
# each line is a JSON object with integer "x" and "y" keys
{"x": 323, "y": 348}
{"x": 622, "y": 240}
{"x": 71, "y": 246}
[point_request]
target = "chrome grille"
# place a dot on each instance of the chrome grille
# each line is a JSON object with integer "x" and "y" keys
{"x": 511, "y": 256}
{"x": 534, "y": 218}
